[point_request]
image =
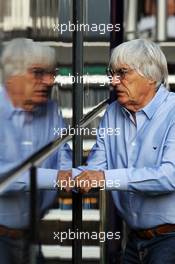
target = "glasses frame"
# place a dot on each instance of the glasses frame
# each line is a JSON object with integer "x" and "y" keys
{"x": 39, "y": 72}
{"x": 120, "y": 73}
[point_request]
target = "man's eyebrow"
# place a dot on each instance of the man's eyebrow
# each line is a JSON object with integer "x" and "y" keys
{"x": 124, "y": 68}
{"x": 38, "y": 68}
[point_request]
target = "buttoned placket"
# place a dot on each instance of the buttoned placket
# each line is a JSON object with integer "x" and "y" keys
{"x": 135, "y": 126}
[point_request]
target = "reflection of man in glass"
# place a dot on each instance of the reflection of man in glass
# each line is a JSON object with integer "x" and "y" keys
{"x": 147, "y": 23}
{"x": 28, "y": 119}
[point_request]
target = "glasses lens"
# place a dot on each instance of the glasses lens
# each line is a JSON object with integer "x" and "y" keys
{"x": 109, "y": 72}
{"x": 38, "y": 72}
{"x": 120, "y": 73}
{"x": 56, "y": 72}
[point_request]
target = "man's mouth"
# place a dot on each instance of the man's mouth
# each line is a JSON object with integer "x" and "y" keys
{"x": 119, "y": 91}
{"x": 43, "y": 93}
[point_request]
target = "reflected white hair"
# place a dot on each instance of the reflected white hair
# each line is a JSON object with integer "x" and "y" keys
{"x": 21, "y": 53}
{"x": 145, "y": 57}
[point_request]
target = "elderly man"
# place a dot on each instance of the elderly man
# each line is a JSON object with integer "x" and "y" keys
{"x": 28, "y": 118}
{"x": 138, "y": 164}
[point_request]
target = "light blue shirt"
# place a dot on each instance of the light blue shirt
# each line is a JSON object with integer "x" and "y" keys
{"x": 139, "y": 163}
{"x": 21, "y": 134}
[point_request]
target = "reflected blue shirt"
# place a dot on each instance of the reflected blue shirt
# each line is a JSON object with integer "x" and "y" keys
{"x": 23, "y": 133}
{"x": 139, "y": 162}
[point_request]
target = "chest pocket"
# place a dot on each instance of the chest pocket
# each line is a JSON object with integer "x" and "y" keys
{"x": 151, "y": 150}
{"x": 9, "y": 145}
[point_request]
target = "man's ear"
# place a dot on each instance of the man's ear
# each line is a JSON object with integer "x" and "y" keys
{"x": 11, "y": 80}
{"x": 13, "y": 85}
{"x": 9, "y": 83}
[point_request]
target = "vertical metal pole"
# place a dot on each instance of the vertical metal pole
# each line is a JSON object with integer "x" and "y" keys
{"x": 161, "y": 23}
{"x": 116, "y": 38}
{"x": 2, "y": 14}
{"x": 102, "y": 203}
{"x": 131, "y": 21}
{"x": 117, "y": 14}
{"x": 77, "y": 115}
{"x": 33, "y": 216}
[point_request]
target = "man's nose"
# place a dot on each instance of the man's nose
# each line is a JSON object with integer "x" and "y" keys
{"x": 48, "y": 79}
{"x": 116, "y": 79}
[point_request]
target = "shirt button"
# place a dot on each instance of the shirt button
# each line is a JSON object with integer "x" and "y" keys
{"x": 134, "y": 215}
{"x": 133, "y": 144}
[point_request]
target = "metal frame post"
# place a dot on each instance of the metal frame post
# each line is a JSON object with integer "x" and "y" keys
{"x": 131, "y": 18}
{"x": 161, "y": 20}
{"x": 117, "y": 16}
{"x": 116, "y": 38}
{"x": 102, "y": 204}
{"x": 77, "y": 115}
{"x": 33, "y": 216}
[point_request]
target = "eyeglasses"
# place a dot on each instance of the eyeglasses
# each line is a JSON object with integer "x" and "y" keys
{"x": 39, "y": 73}
{"x": 120, "y": 73}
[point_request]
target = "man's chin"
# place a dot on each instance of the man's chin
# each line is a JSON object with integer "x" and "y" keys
{"x": 122, "y": 100}
{"x": 30, "y": 104}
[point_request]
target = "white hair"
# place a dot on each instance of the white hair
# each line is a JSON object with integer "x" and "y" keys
{"x": 145, "y": 57}
{"x": 21, "y": 53}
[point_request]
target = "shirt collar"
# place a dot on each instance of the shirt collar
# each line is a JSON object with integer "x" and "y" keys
{"x": 8, "y": 109}
{"x": 152, "y": 106}
{"x": 157, "y": 100}
{"x": 7, "y": 106}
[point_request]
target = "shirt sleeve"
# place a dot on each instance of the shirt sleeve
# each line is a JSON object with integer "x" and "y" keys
{"x": 64, "y": 160}
{"x": 64, "y": 154}
{"x": 97, "y": 156}
{"x": 46, "y": 179}
{"x": 47, "y": 173}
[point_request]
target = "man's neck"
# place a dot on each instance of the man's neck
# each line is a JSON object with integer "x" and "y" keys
{"x": 19, "y": 102}
{"x": 135, "y": 107}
